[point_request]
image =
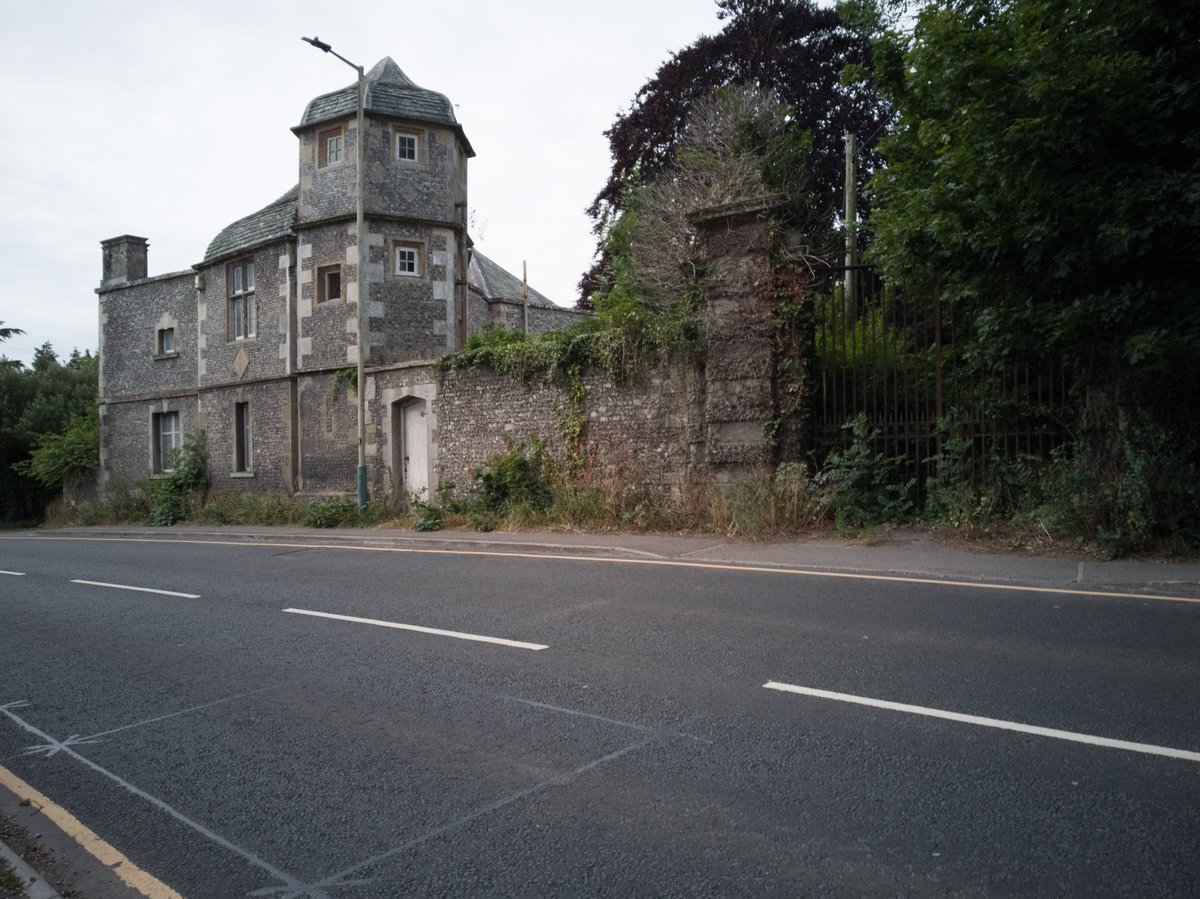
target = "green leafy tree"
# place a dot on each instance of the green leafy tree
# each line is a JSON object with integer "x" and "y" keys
{"x": 1046, "y": 163}
{"x": 68, "y": 454}
{"x": 1045, "y": 171}
{"x": 36, "y": 403}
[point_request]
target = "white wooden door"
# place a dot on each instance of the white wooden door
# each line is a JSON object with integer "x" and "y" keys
{"x": 416, "y": 450}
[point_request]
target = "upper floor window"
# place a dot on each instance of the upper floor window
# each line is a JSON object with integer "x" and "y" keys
{"x": 165, "y": 344}
{"x": 242, "y": 312}
{"x": 407, "y": 261}
{"x": 329, "y": 283}
{"x": 406, "y": 146}
{"x": 330, "y": 146}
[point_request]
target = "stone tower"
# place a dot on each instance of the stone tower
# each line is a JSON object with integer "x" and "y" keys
{"x": 415, "y": 200}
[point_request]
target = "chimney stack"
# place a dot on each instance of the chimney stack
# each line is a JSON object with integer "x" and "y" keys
{"x": 124, "y": 260}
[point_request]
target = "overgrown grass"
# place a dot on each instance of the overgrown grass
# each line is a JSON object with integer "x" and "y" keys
{"x": 523, "y": 489}
{"x": 1148, "y": 506}
{"x": 248, "y": 508}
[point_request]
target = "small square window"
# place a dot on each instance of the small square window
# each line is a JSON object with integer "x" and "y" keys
{"x": 329, "y": 283}
{"x": 166, "y": 341}
{"x": 406, "y": 146}
{"x": 329, "y": 147}
{"x": 406, "y": 262}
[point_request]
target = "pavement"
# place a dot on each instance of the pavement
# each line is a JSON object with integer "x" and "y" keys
{"x": 901, "y": 552}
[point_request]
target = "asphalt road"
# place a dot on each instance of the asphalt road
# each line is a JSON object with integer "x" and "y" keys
{"x": 230, "y": 747}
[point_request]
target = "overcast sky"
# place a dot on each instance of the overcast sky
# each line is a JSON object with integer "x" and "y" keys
{"x": 171, "y": 119}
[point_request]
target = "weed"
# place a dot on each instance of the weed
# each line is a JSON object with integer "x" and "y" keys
{"x": 340, "y": 512}
{"x": 10, "y": 880}
{"x": 868, "y": 487}
{"x": 1144, "y": 495}
{"x": 250, "y": 508}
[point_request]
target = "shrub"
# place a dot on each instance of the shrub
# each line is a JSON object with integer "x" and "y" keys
{"x": 175, "y": 496}
{"x": 1145, "y": 496}
{"x": 868, "y": 487}
{"x": 512, "y": 480}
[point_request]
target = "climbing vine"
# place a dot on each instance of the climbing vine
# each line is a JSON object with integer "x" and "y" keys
{"x": 343, "y": 378}
{"x": 572, "y": 418}
{"x": 792, "y": 312}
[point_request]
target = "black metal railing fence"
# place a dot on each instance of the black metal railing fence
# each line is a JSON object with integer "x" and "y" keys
{"x": 903, "y": 362}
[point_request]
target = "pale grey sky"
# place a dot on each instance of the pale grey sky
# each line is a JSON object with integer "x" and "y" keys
{"x": 170, "y": 119}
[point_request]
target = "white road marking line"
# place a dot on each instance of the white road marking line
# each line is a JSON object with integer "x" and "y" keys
{"x": 138, "y": 589}
{"x": 14, "y": 573}
{"x": 600, "y": 560}
{"x": 998, "y": 723}
{"x": 458, "y": 635}
{"x": 195, "y": 708}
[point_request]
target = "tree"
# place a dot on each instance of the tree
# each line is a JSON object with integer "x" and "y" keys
{"x": 739, "y": 146}
{"x": 1045, "y": 170}
{"x": 788, "y": 47}
{"x": 36, "y": 403}
{"x": 71, "y": 453}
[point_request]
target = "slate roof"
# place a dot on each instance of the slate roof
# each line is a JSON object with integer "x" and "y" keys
{"x": 269, "y": 223}
{"x": 388, "y": 92}
{"x": 489, "y": 279}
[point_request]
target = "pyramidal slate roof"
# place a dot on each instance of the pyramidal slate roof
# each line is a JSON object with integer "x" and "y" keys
{"x": 269, "y": 223}
{"x": 495, "y": 283}
{"x": 388, "y": 92}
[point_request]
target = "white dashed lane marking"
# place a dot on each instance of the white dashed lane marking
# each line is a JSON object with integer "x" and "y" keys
{"x": 138, "y": 589}
{"x": 437, "y": 632}
{"x": 1146, "y": 748}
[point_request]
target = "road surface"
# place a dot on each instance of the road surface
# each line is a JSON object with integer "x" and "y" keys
{"x": 291, "y": 720}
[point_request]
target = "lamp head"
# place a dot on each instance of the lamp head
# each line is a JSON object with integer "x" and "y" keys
{"x": 318, "y": 43}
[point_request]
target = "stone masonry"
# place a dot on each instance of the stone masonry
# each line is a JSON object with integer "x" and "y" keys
{"x": 257, "y": 344}
{"x": 253, "y": 343}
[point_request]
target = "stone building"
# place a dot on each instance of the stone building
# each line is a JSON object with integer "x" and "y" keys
{"x": 252, "y": 344}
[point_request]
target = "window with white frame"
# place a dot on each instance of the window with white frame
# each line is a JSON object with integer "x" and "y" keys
{"x": 241, "y": 437}
{"x": 242, "y": 311}
{"x": 165, "y": 344}
{"x": 167, "y": 439}
{"x": 406, "y": 146}
{"x": 330, "y": 146}
{"x": 407, "y": 261}
{"x": 329, "y": 283}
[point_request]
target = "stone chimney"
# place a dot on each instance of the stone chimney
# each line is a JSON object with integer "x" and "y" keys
{"x": 124, "y": 260}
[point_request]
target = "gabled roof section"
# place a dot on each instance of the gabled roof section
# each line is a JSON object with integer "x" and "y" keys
{"x": 389, "y": 92}
{"x": 269, "y": 223}
{"x": 495, "y": 284}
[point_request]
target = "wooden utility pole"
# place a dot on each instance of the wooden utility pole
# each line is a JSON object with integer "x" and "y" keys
{"x": 851, "y": 193}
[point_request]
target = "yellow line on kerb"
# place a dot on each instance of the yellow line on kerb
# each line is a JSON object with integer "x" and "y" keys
{"x": 133, "y": 876}
{"x": 658, "y": 563}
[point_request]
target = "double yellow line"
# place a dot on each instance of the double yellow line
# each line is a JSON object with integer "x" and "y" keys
{"x": 105, "y": 853}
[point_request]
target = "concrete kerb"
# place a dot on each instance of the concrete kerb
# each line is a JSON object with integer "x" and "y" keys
{"x": 33, "y": 886}
{"x": 910, "y": 554}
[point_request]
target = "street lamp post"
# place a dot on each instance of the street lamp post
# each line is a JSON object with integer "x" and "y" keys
{"x": 361, "y": 479}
